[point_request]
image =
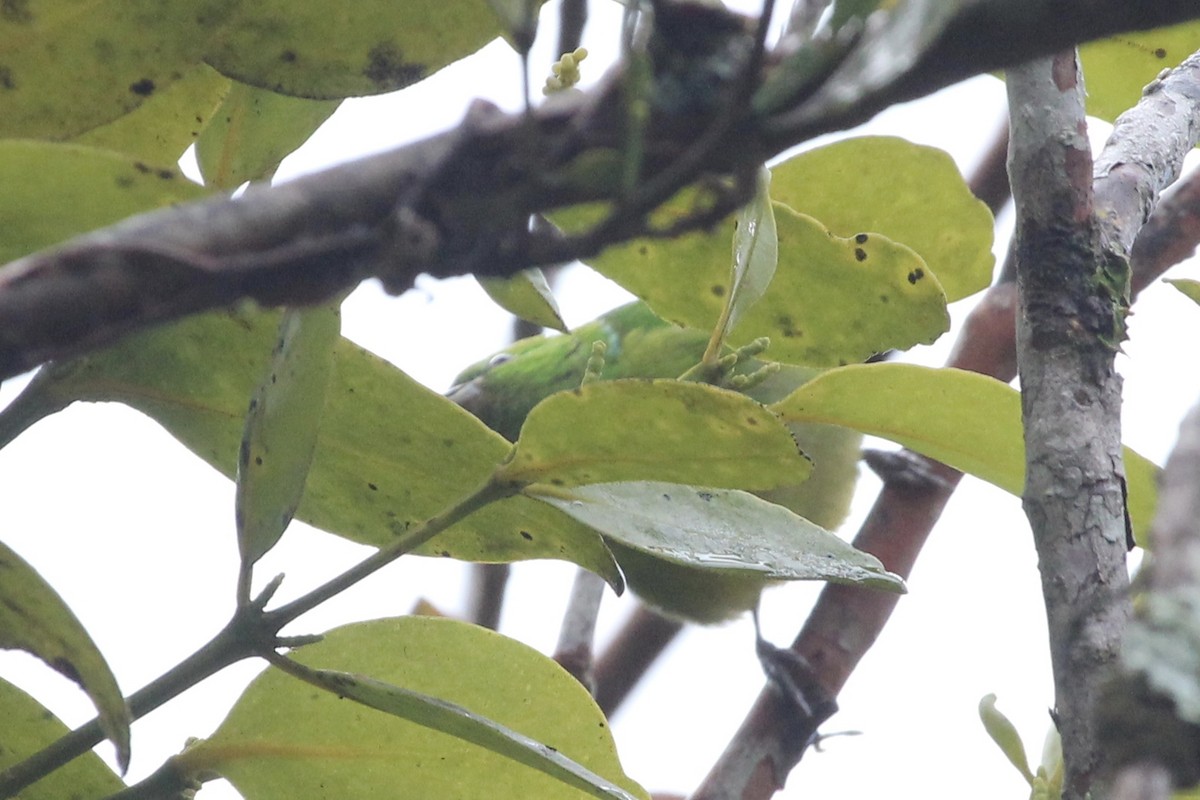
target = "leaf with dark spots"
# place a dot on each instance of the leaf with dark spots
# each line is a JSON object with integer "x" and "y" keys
{"x": 143, "y": 88}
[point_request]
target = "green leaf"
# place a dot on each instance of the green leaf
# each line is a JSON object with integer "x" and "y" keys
{"x": 1004, "y": 734}
{"x": 35, "y": 619}
{"x": 755, "y": 254}
{"x": 253, "y": 131}
{"x": 369, "y": 47}
{"x": 969, "y": 421}
{"x": 28, "y": 727}
{"x": 166, "y": 124}
{"x": 281, "y": 427}
{"x": 526, "y": 295}
{"x": 72, "y": 66}
{"x": 370, "y": 478}
{"x": 1117, "y": 69}
{"x": 1190, "y": 288}
{"x": 55, "y": 191}
{"x": 654, "y": 430}
{"x": 284, "y": 740}
{"x": 717, "y": 530}
{"x": 913, "y": 194}
{"x": 833, "y": 301}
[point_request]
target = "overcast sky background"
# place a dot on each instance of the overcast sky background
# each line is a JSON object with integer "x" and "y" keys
{"x": 138, "y": 534}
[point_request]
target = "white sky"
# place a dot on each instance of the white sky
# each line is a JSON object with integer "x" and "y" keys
{"x": 138, "y": 535}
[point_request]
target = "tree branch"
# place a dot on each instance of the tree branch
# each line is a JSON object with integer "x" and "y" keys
{"x": 459, "y": 202}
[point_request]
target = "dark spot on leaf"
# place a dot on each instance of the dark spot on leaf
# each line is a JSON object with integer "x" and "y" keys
{"x": 6, "y": 79}
{"x": 860, "y": 254}
{"x": 165, "y": 174}
{"x": 883, "y": 298}
{"x": 288, "y": 56}
{"x": 1160, "y": 53}
{"x": 142, "y": 88}
{"x": 643, "y": 250}
{"x": 527, "y": 536}
{"x": 386, "y": 67}
{"x": 444, "y": 554}
{"x": 916, "y": 275}
{"x": 372, "y": 487}
{"x": 16, "y": 11}
{"x": 861, "y": 238}
{"x": 718, "y": 290}
{"x": 447, "y": 443}
{"x": 666, "y": 496}
{"x": 556, "y": 481}
{"x": 390, "y": 514}
{"x": 258, "y": 460}
{"x": 751, "y": 421}
{"x": 705, "y": 496}
{"x": 67, "y": 668}
{"x": 124, "y": 182}
{"x": 140, "y": 167}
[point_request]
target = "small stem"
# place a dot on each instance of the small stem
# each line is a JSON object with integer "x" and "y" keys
{"x": 489, "y": 492}
{"x": 574, "y": 651}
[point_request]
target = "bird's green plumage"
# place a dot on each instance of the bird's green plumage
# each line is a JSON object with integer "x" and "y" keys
{"x": 503, "y": 389}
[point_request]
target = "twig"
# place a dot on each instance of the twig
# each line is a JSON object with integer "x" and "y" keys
{"x": 577, "y": 637}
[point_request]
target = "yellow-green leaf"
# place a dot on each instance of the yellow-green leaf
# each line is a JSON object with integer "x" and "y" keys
{"x": 966, "y": 420}
{"x": 55, "y": 191}
{"x": 1190, "y": 288}
{"x": 526, "y": 295}
{"x": 833, "y": 300}
{"x": 1117, "y": 69}
{"x": 911, "y": 193}
{"x": 755, "y": 255}
{"x": 284, "y": 739}
{"x": 253, "y": 131}
{"x": 281, "y": 427}
{"x": 28, "y": 727}
{"x": 35, "y": 619}
{"x": 166, "y": 124}
{"x": 372, "y": 475}
{"x": 70, "y": 66}
{"x": 1001, "y": 731}
{"x": 655, "y": 430}
{"x": 306, "y": 49}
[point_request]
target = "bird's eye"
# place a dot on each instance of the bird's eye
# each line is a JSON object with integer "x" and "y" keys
{"x": 500, "y": 358}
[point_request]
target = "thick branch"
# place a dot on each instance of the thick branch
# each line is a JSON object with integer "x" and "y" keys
{"x": 459, "y": 202}
{"x": 1070, "y": 322}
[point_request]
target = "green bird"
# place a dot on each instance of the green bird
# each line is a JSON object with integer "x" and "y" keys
{"x": 501, "y": 391}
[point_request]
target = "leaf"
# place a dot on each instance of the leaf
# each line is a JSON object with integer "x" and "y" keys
{"x": 526, "y": 295}
{"x": 654, "y": 430}
{"x": 70, "y": 66}
{"x": 284, "y": 740}
{"x": 1190, "y": 288}
{"x": 755, "y": 254}
{"x": 370, "y": 478}
{"x": 28, "y": 727}
{"x": 55, "y": 191}
{"x": 368, "y": 47}
{"x": 1117, "y": 69}
{"x": 253, "y": 131}
{"x": 718, "y": 530}
{"x": 35, "y": 619}
{"x": 1001, "y": 731}
{"x": 833, "y": 301}
{"x": 969, "y": 421}
{"x": 913, "y": 194}
{"x": 167, "y": 123}
{"x": 281, "y": 427}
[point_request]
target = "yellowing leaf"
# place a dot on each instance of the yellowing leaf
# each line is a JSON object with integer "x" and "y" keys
{"x": 1001, "y": 731}
{"x": 832, "y": 301}
{"x": 966, "y": 420}
{"x": 253, "y": 131}
{"x": 55, "y": 191}
{"x": 654, "y": 430}
{"x": 526, "y": 295}
{"x": 28, "y": 727}
{"x": 371, "y": 476}
{"x": 281, "y": 427}
{"x": 35, "y": 619}
{"x": 1190, "y": 288}
{"x": 1117, "y": 69}
{"x": 284, "y": 739}
{"x": 913, "y": 194}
